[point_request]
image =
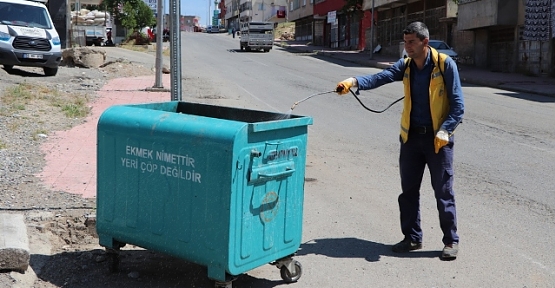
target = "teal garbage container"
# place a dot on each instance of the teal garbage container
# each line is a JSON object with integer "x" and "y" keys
{"x": 218, "y": 186}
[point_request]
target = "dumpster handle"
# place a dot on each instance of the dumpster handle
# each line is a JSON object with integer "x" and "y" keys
{"x": 287, "y": 171}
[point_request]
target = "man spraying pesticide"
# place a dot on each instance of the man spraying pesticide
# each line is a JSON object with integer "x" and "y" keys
{"x": 433, "y": 107}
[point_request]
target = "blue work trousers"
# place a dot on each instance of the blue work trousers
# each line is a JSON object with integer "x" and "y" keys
{"x": 415, "y": 154}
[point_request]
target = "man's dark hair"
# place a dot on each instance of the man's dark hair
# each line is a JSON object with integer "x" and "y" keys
{"x": 419, "y": 28}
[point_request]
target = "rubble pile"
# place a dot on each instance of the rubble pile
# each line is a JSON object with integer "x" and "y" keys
{"x": 287, "y": 36}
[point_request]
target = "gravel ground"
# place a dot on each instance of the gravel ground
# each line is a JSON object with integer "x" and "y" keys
{"x": 62, "y": 243}
{"x": 62, "y": 239}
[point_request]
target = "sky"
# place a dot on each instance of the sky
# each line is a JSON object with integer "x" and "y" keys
{"x": 192, "y": 8}
{"x": 197, "y": 8}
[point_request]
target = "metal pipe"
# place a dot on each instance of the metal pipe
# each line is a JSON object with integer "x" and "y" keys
{"x": 372, "y": 32}
{"x": 159, "y": 44}
{"x": 175, "y": 52}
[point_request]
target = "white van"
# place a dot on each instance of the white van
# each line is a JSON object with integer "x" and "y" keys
{"x": 28, "y": 37}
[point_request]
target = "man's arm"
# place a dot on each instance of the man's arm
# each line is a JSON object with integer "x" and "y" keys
{"x": 388, "y": 75}
{"x": 454, "y": 92}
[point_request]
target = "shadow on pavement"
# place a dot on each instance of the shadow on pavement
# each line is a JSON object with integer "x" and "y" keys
{"x": 245, "y": 51}
{"x": 15, "y": 71}
{"x": 529, "y": 97}
{"x": 136, "y": 269}
{"x": 323, "y": 57}
{"x": 337, "y": 61}
{"x": 524, "y": 95}
{"x": 358, "y": 248}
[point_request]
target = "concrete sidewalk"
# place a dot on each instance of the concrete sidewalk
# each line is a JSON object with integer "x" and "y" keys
{"x": 71, "y": 161}
{"x": 469, "y": 74}
{"x": 71, "y": 154}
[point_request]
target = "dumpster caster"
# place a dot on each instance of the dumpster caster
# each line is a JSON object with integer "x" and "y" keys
{"x": 228, "y": 281}
{"x": 291, "y": 270}
{"x": 293, "y": 275}
{"x": 227, "y": 284}
{"x": 113, "y": 260}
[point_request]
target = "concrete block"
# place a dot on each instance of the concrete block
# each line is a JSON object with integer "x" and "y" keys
{"x": 14, "y": 243}
{"x": 84, "y": 57}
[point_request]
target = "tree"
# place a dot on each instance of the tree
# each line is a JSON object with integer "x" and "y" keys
{"x": 127, "y": 18}
{"x": 133, "y": 14}
{"x": 144, "y": 16}
{"x": 353, "y": 7}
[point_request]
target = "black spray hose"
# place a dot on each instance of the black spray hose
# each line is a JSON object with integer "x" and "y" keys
{"x": 354, "y": 94}
{"x": 339, "y": 89}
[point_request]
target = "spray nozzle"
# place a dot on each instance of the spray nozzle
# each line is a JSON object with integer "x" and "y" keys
{"x": 339, "y": 88}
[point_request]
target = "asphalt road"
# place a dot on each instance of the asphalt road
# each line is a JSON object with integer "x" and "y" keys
{"x": 504, "y": 155}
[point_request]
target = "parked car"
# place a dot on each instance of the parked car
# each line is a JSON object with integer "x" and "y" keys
{"x": 441, "y": 47}
{"x": 28, "y": 37}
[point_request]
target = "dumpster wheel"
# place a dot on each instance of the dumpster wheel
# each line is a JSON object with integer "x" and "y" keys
{"x": 290, "y": 270}
{"x": 227, "y": 284}
{"x": 291, "y": 276}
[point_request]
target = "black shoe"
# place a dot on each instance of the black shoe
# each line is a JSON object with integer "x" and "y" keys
{"x": 405, "y": 246}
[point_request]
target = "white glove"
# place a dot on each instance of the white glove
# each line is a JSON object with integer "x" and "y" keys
{"x": 441, "y": 139}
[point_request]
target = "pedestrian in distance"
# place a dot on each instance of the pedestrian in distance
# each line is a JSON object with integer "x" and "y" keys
{"x": 109, "y": 42}
{"x": 433, "y": 108}
{"x": 233, "y": 31}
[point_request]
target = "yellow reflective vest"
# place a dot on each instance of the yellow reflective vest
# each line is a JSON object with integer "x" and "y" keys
{"x": 439, "y": 102}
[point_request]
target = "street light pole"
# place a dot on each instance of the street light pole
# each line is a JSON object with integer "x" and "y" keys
{"x": 372, "y": 33}
{"x": 238, "y": 28}
{"x": 175, "y": 50}
{"x": 159, "y": 32}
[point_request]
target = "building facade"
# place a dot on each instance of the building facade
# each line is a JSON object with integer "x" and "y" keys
{"x": 300, "y": 12}
{"x": 235, "y": 11}
{"x": 393, "y": 16}
{"x": 511, "y": 35}
{"x": 337, "y": 27}
{"x": 499, "y": 35}
{"x": 189, "y": 23}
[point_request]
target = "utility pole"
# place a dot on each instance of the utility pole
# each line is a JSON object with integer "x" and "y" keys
{"x": 159, "y": 43}
{"x": 238, "y": 28}
{"x": 175, "y": 50}
{"x": 372, "y": 33}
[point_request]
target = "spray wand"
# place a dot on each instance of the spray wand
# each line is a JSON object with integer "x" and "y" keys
{"x": 298, "y": 102}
